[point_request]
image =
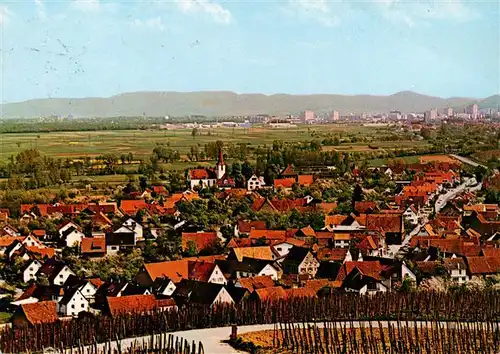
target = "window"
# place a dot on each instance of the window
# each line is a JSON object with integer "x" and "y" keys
{"x": 31, "y": 269}
{"x": 83, "y": 306}
{"x": 60, "y": 275}
{"x": 72, "y": 306}
{"x": 279, "y": 249}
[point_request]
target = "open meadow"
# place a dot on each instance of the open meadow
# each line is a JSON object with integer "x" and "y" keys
{"x": 76, "y": 144}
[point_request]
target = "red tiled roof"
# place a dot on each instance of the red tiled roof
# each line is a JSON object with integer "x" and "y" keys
{"x": 93, "y": 245}
{"x": 174, "y": 270}
{"x": 364, "y": 206}
{"x": 106, "y": 208}
{"x": 284, "y": 182}
{"x": 40, "y": 312}
{"x": 367, "y": 244}
{"x": 38, "y": 233}
{"x": 258, "y": 282}
{"x": 245, "y": 226}
{"x": 483, "y": 265}
{"x": 271, "y": 294}
{"x": 200, "y": 271}
{"x": 308, "y": 231}
{"x": 6, "y": 241}
{"x": 131, "y": 304}
{"x": 202, "y": 240}
{"x": 160, "y": 190}
{"x": 331, "y": 254}
{"x": 318, "y": 284}
{"x": 327, "y": 207}
{"x": 334, "y": 219}
{"x": 201, "y": 173}
{"x": 289, "y": 171}
{"x": 239, "y": 242}
{"x": 44, "y": 252}
{"x": 133, "y": 206}
{"x": 369, "y": 268}
{"x": 491, "y": 252}
{"x": 268, "y": 234}
{"x": 385, "y": 222}
{"x": 101, "y": 219}
{"x": 97, "y": 282}
{"x": 305, "y": 180}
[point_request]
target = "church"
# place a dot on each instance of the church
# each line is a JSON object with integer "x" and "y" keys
{"x": 209, "y": 177}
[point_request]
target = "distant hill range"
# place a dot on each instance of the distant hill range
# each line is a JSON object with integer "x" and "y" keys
{"x": 217, "y": 103}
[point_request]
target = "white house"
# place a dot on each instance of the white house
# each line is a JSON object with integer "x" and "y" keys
{"x": 59, "y": 274}
{"x": 217, "y": 277}
{"x": 252, "y": 268}
{"x": 407, "y": 273}
{"x": 130, "y": 225}
{"x": 223, "y": 297}
{"x": 164, "y": 286}
{"x": 32, "y": 241}
{"x": 9, "y": 231}
{"x": 85, "y": 286}
{"x": 300, "y": 260}
{"x": 457, "y": 270}
{"x": 30, "y": 270}
{"x": 341, "y": 240}
{"x": 411, "y": 215}
{"x": 71, "y": 234}
{"x": 255, "y": 182}
{"x": 283, "y": 248}
{"x": 309, "y": 265}
{"x": 72, "y": 303}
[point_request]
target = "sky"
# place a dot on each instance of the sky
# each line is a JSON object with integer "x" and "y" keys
{"x": 98, "y": 48}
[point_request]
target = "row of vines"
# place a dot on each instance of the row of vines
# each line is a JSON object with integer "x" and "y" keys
{"x": 468, "y": 306}
{"x": 392, "y": 338}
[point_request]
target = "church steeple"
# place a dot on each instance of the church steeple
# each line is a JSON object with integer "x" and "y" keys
{"x": 220, "y": 166}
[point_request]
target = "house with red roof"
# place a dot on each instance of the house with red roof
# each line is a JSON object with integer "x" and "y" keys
{"x": 284, "y": 183}
{"x": 199, "y": 241}
{"x": 209, "y": 177}
{"x": 93, "y": 247}
{"x": 363, "y": 277}
{"x": 28, "y": 315}
{"x": 120, "y": 305}
{"x": 131, "y": 207}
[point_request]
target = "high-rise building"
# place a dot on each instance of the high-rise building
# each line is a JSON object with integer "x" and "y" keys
{"x": 307, "y": 116}
{"x": 472, "y": 110}
{"x": 448, "y": 112}
{"x": 430, "y": 114}
{"x": 335, "y": 115}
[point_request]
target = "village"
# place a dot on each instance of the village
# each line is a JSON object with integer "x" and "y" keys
{"x": 433, "y": 234}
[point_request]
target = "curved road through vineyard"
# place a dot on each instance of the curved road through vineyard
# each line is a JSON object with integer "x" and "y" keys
{"x": 212, "y": 337}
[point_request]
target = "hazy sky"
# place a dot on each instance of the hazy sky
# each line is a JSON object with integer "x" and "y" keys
{"x": 101, "y": 48}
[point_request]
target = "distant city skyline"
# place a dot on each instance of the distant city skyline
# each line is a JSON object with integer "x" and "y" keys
{"x": 98, "y": 48}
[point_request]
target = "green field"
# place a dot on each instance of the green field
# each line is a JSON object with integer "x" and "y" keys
{"x": 407, "y": 159}
{"x": 142, "y": 142}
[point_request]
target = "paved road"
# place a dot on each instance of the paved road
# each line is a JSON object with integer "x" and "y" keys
{"x": 467, "y": 160}
{"x": 212, "y": 337}
{"x": 443, "y": 199}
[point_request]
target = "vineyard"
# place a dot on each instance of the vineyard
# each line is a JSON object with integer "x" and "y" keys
{"x": 421, "y": 306}
{"x": 160, "y": 344}
{"x": 424, "y": 337}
